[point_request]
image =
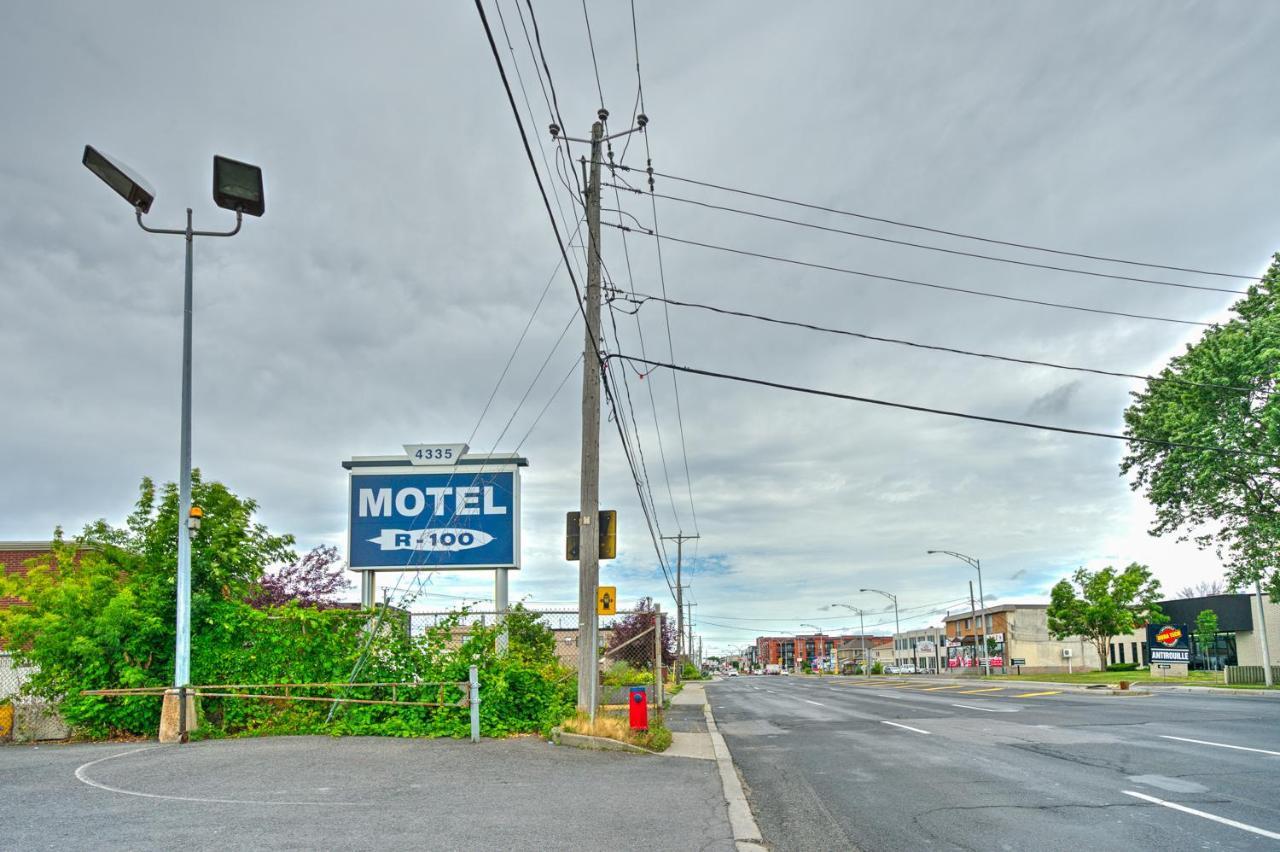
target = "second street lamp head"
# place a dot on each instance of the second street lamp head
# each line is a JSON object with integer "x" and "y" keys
{"x": 124, "y": 180}
{"x": 238, "y": 186}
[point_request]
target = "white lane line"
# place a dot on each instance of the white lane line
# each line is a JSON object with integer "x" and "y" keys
{"x": 1220, "y": 745}
{"x": 1186, "y": 810}
{"x": 987, "y": 709}
{"x": 83, "y": 778}
{"x": 907, "y": 727}
{"x": 819, "y": 703}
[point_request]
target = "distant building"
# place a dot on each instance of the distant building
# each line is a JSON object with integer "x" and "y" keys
{"x": 1017, "y": 639}
{"x": 790, "y": 651}
{"x": 1238, "y": 643}
{"x": 849, "y": 656}
{"x": 923, "y": 648}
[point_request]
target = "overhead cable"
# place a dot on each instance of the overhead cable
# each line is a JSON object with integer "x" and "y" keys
{"x": 927, "y": 247}
{"x": 944, "y": 232}
{"x": 915, "y": 283}
{"x": 640, "y": 299}
{"x": 943, "y": 412}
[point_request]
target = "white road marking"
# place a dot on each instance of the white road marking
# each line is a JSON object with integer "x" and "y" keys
{"x": 987, "y": 709}
{"x": 908, "y": 727}
{"x": 1186, "y": 810}
{"x": 1220, "y": 745}
{"x": 819, "y": 703}
{"x": 85, "y": 779}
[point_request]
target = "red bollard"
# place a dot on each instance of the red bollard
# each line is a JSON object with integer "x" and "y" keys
{"x": 639, "y": 708}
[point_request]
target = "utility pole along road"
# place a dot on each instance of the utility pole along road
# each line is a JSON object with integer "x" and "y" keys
{"x": 921, "y": 763}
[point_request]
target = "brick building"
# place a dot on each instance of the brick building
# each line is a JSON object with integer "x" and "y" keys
{"x": 789, "y": 651}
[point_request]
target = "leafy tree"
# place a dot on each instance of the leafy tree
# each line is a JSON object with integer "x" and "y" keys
{"x": 640, "y": 652}
{"x": 1226, "y": 500}
{"x": 1109, "y": 603}
{"x": 313, "y": 581}
{"x": 1206, "y": 629}
{"x": 1203, "y": 589}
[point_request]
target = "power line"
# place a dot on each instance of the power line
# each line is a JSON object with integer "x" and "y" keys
{"x": 927, "y": 247}
{"x": 778, "y": 618}
{"x": 595, "y": 343}
{"x": 671, "y": 351}
{"x": 639, "y": 300}
{"x": 550, "y": 399}
{"x": 944, "y": 232}
{"x": 940, "y": 411}
{"x": 519, "y": 341}
{"x": 592, "y": 42}
{"x": 913, "y": 282}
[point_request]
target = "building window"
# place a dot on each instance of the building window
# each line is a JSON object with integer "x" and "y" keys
{"x": 1120, "y": 645}
{"x": 1133, "y": 646}
{"x": 1144, "y": 653}
{"x": 1112, "y": 649}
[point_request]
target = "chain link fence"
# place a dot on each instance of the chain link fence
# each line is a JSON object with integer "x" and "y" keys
{"x": 630, "y": 651}
{"x": 23, "y": 718}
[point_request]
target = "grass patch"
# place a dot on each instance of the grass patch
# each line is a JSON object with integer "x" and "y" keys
{"x": 616, "y": 727}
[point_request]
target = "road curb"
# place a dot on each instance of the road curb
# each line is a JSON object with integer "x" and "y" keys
{"x": 746, "y": 833}
{"x": 564, "y": 738}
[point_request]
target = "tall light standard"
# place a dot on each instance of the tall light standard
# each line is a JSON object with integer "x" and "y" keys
{"x": 236, "y": 186}
{"x": 896, "y": 628}
{"x": 862, "y": 631}
{"x": 982, "y": 603}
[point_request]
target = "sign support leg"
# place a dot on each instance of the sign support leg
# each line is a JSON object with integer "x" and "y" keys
{"x": 500, "y": 604}
{"x": 367, "y": 588}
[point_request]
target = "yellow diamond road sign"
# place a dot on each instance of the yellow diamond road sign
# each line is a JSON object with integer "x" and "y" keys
{"x": 607, "y": 600}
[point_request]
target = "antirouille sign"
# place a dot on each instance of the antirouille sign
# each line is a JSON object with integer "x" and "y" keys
{"x": 1168, "y": 643}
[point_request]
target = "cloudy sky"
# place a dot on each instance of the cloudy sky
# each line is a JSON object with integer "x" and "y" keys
{"x": 405, "y": 246}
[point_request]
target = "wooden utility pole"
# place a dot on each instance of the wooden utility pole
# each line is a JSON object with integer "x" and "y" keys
{"x": 679, "y": 539}
{"x": 589, "y": 506}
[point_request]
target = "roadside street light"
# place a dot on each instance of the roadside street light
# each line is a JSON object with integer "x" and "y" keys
{"x": 896, "y": 628}
{"x": 862, "y": 631}
{"x": 819, "y": 633}
{"x": 982, "y": 602}
{"x": 236, "y": 186}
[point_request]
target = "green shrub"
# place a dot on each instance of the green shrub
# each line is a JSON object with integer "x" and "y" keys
{"x": 877, "y": 668}
{"x": 102, "y": 616}
{"x": 1122, "y": 667}
{"x": 622, "y": 674}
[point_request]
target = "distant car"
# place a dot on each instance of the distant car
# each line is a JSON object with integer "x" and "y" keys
{"x": 733, "y": 672}
{"x": 909, "y": 668}
{"x": 893, "y": 669}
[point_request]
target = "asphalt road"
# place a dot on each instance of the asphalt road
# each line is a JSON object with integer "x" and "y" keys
{"x": 356, "y": 793}
{"x": 912, "y": 763}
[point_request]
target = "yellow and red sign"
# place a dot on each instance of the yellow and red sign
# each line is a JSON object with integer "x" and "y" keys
{"x": 1169, "y": 636}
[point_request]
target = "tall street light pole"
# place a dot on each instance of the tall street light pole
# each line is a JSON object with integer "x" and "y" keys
{"x": 896, "y": 628}
{"x": 819, "y": 633}
{"x": 862, "y": 631}
{"x": 982, "y": 602}
{"x": 236, "y": 186}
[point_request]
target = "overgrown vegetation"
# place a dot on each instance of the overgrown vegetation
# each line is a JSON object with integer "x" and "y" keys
{"x": 616, "y": 727}
{"x": 101, "y": 615}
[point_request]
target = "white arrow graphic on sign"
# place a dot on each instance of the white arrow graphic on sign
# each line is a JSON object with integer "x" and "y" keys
{"x": 432, "y": 540}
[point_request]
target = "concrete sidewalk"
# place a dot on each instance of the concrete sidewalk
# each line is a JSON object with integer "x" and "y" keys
{"x": 357, "y": 793}
{"x": 688, "y": 725}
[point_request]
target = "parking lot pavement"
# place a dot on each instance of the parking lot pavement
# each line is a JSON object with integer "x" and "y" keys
{"x": 356, "y": 793}
{"x": 885, "y": 765}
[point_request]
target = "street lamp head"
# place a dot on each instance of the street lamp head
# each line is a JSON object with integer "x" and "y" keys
{"x": 238, "y": 186}
{"x": 124, "y": 180}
